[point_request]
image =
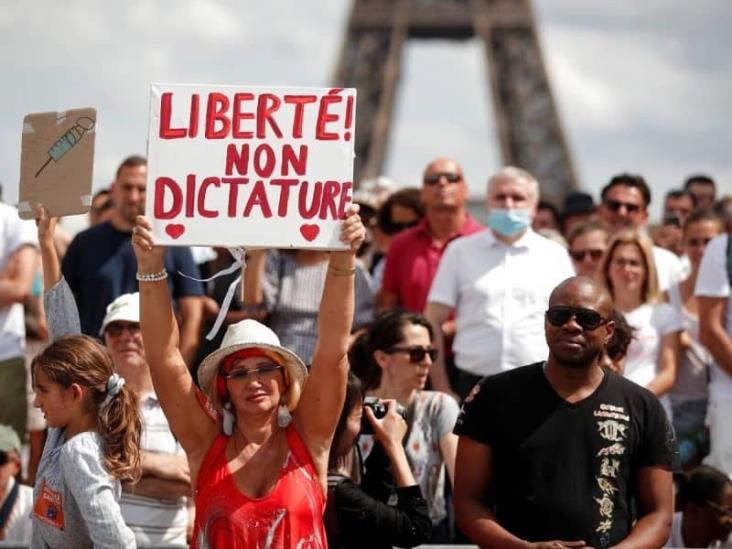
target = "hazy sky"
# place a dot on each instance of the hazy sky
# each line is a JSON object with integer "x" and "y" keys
{"x": 641, "y": 86}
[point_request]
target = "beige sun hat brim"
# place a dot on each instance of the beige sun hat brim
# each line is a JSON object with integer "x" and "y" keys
{"x": 210, "y": 365}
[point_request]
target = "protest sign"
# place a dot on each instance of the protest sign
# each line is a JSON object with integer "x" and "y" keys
{"x": 56, "y": 162}
{"x": 249, "y": 166}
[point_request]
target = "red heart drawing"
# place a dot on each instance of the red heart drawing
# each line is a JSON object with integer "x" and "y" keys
{"x": 175, "y": 230}
{"x": 309, "y": 232}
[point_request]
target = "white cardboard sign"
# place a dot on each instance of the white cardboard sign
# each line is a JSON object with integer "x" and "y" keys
{"x": 249, "y": 166}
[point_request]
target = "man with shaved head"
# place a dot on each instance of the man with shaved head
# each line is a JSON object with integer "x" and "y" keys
{"x": 415, "y": 253}
{"x": 563, "y": 453}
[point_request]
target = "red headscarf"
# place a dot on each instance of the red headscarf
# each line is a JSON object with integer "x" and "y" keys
{"x": 227, "y": 363}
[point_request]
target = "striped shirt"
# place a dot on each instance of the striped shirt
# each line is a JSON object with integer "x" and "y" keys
{"x": 292, "y": 296}
{"x": 156, "y": 521}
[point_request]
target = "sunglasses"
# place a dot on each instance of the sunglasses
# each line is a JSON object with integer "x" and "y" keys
{"x": 263, "y": 372}
{"x": 615, "y": 206}
{"x": 4, "y": 458}
{"x": 115, "y": 329}
{"x": 587, "y": 319}
{"x": 434, "y": 178}
{"x": 697, "y": 242}
{"x": 579, "y": 255}
{"x": 393, "y": 228}
{"x": 416, "y": 353}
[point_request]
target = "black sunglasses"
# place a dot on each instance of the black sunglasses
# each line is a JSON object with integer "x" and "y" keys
{"x": 262, "y": 372}
{"x": 392, "y": 227}
{"x": 615, "y": 206}
{"x": 587, "y": 319}
{"x": 434, "y": 178}
{"x": 579, "y": 255}
{"x": 416, "y": 353}
{"x": 4, "y": 458}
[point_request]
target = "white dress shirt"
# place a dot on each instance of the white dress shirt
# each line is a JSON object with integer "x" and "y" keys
{"x": 500, "y": 293}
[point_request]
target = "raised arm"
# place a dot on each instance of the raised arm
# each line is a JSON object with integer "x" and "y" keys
{"x": 322, "y": 398}
{"x": 173, "y": 383}
{"x": 62, "y": 314}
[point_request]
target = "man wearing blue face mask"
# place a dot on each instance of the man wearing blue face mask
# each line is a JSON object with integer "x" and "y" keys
{"x": 498, "y": 283}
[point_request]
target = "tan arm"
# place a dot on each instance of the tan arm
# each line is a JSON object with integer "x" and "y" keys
{"x": 172, "y": 381}
{"x": 668, "y": 360}
{"x": 191, "y": 313}
{"x": 437, "y": 314}
{"x": 712, "y": 331}
{"x": 322, "y": 398}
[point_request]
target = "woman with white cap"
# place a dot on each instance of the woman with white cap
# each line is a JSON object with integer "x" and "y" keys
{"x": 258, "y": 433}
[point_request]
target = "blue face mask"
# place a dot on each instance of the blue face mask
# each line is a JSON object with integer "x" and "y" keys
{"x": 509, "y": 222}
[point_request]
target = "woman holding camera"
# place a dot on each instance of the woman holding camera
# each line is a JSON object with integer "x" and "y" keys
{"x": 399, "y": 353}
{"x": 357, "y": 514}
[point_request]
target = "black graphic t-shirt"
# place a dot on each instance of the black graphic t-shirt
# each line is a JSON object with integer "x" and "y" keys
{"x": 561, "y": 470}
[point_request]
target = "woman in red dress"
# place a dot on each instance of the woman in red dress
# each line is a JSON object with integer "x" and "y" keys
{"x": 258, "y": 432}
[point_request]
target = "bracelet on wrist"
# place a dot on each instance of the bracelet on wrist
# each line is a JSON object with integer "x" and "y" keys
{"x": 152, "y": 277}
{"x": 338, "y": 271}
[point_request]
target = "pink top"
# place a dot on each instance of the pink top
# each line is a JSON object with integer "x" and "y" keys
{"x": 290, "y": 516}
{"x": 412, "y": 262}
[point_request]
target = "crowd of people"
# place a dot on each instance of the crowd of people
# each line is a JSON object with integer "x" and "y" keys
{"x": 590, "y": 350}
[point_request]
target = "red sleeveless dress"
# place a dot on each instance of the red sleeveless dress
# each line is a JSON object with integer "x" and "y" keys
{"x": 291, "y": 516}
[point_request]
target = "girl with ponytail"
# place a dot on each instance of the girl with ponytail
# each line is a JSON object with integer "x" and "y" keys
{"x": 92, "y": 445}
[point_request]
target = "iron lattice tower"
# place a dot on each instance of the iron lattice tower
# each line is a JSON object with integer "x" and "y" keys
{"x": 529, "y": 131}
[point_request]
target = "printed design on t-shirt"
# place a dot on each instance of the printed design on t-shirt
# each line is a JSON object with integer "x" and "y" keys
{"x": 612, "y": 425}
{"x": 49, "y": 507}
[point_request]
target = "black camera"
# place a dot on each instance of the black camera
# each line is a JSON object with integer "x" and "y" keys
{"x": 379, "y": 409}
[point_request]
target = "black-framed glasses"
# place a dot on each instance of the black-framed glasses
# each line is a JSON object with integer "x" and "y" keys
{"x": 587, "y": 319}
{"x": 263, "y": 372}
{"x": 434, "y": 178}
{"x": 579, "y": 255}
{"x": 615, "y": 206}
{"x": 721, "y": 510}
{"x": 416, "y": 353}
{"x": 4, "y": 457}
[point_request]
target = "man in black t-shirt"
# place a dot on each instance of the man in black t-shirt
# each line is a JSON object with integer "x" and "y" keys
{"x": 564, "y": 450}
{"x": 100, "y": 265}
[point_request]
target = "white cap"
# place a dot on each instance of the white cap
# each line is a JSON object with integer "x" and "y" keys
{"x": 125, "y": 308}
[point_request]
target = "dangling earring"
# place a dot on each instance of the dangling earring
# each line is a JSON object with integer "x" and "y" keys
{"x": 229, "y": 419}
{"x": 284, "y": 418}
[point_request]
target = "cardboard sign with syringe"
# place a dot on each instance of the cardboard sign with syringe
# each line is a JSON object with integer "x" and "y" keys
{"x": 56, "y": 162}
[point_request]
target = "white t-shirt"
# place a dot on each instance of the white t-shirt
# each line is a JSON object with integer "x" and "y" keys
{"x": 499, "y": 293}
{"x": 670, "y": 268}
{"x": 652, "y": 321}
{"x": 712, "y": 281}
{"x": 14, "y": 233}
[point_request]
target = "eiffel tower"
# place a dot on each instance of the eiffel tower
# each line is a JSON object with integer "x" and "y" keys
{"x": 529, "y": 131}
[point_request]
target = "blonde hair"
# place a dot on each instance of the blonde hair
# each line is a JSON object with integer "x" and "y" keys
{"x": 81, "y": 360}
{"x": 650, "y": 292}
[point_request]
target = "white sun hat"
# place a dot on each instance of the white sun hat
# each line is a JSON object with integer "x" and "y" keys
{"x": 125, "y": 308}
{"x": 248, "y": 334}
